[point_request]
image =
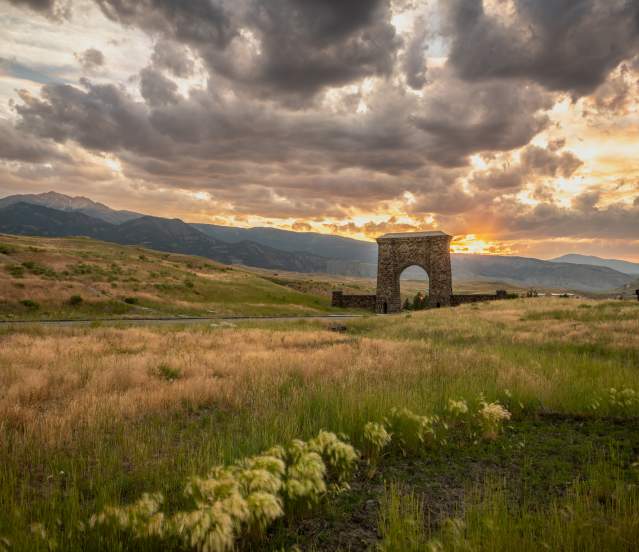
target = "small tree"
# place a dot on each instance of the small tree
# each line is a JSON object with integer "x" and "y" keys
{"x": 407, "y": 304}
{"x": 419, "y": 302}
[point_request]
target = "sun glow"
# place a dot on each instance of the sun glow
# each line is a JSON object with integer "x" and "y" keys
{"x": 470, "y": 243}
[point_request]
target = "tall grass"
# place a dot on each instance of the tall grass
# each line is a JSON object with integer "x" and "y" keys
{"x": 97, "y": 416}
{"x": 600, "y": 512}
{"x": 401, "y": 521}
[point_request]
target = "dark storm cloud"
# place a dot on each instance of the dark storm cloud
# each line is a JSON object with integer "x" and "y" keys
{"x": 172, "y": 57}
{"x": 101, "y": 117}
{"x": 567, "y": 45}
{"x": 415, "y": 56}
{"x": 307, "y": 45}
{"x": 37, "y": 5}
{"x": 262, "y": 139}
{"x": 465, "y": 118}
{"x": 156, "y": 89}
{"x": 201, "y": 23}
{"x": 534, "y": 162}
{"x": 90, "y": 59}
{"x": 304, "y": 45}
{"x": 54, "y": 9}
{"x": 584, "y": 220}
{"x": 549, "y": 163}
{"x": 504, "y": 181}
{"x": 17, "y": 146}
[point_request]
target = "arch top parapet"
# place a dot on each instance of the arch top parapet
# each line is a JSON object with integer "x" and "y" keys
{"x": 413, "y": 235}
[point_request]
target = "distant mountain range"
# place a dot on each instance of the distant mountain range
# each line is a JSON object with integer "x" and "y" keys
{"x": 53, "y": 214}
{"x": 622, "y": 266}
{"x": 156, "y": 233}
{"x": 63, "y": 202}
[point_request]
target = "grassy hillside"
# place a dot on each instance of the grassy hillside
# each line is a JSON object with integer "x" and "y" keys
{"x": 79, "y": 278}
{"x": 96, "y": 416}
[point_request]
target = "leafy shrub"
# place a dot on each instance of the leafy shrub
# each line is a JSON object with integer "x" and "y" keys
{"x": 237, "y": 501}
{"x": 617, "y": 400}
{"x": 75, "y": 300}
{"x": 491, "y": 417}
{"x": 340, "y": 457}
{"x": 413, "y": 433}
{"x": 131, "y": 300}
{"x": 142, "y": 518}
{"x": 457, "y": 414}
{"x": 376, "y": 438}
{"x": 305, "y": 481}
{"x": 30, "y": 304}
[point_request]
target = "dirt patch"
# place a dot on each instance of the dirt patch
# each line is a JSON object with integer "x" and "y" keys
{"x": 536, "y": 460}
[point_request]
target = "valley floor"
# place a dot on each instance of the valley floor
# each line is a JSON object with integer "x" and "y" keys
{"x": 97, "y": 416}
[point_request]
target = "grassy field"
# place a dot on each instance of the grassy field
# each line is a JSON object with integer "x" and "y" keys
{"x": 97, "y": 416}
{"x": 71, "y": 278}
{"x": 83, "y": 278}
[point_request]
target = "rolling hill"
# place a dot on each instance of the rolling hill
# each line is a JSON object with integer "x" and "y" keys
{"x": 284, "y": 250}
{"x": 42, "y": 277}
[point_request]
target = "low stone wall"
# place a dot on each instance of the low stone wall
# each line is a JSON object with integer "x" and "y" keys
{"x": 477, "y": 297}
{"x": 367, "y": 302}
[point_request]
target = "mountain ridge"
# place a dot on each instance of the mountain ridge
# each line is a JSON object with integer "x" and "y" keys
{"x": 62, "y": 202}
{"x": 278, "y": 249}
{"x": 172, "y": 235}
{"x": 620, "y": 265}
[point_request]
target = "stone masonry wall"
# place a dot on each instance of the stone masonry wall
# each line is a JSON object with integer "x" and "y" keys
{"x": 367, "y": 302}
{"x": 456, "y": 300}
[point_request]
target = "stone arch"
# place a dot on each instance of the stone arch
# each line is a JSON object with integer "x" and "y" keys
{"x": 396, "y": 252}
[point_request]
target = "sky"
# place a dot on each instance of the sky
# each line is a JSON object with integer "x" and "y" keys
{"x": 511, "y": 124}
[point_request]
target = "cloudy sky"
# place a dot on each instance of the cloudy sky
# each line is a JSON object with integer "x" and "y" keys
{"x": 512, "y": 124}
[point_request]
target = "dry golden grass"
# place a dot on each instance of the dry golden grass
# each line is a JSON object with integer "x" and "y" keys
{"x": 91, "y": 416}
{"x": 62, "y": 380}
{"x": 56, "y": 382}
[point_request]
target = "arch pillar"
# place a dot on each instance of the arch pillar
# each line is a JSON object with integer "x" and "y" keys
{"x": 428, "y": 250}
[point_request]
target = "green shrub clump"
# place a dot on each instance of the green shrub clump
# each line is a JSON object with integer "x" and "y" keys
{"x": 30, "y": 304}
{"x": 7, "y": 249}
{"x": 239, "y": 501}
{"x": 75, "y": 300}
{"x": 168, "y": 373}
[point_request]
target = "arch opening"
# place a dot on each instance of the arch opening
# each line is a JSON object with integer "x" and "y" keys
{"x": 414, "y": 287}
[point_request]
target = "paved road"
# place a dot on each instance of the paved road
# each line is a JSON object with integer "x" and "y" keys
{"x": 180, "y": 320}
